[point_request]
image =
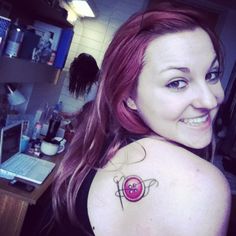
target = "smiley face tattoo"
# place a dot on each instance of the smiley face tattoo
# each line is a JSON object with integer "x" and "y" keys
{"x": 133, "y": 188}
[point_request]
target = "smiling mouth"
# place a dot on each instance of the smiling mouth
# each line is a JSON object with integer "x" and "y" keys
{"x": 196, "y": 121}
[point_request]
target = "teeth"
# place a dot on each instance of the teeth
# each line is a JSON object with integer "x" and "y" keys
{"x": 195, "y": 121}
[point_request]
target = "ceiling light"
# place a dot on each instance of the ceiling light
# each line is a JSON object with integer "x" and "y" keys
{"x": 71, "y": 15}
{"x": 83, "y": 7}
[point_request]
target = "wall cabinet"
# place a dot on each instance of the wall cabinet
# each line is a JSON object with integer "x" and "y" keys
{"x": 27, "y": 11}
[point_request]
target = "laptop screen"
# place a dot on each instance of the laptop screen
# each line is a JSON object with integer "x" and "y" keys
{"x": 10, "y": 141}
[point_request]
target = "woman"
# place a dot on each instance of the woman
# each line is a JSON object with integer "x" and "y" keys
{"x": 83, "y": 82}
{"x": 83, "y": 76}
{"x": 130, "y": 169}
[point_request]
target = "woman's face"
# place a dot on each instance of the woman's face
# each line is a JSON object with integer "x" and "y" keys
{"x": 179, "y": 90}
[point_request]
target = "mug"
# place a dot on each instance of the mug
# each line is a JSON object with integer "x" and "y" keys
{"x": 51, "y": 149}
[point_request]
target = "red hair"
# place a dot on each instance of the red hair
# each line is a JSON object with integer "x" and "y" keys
{"x": 109, "y": 122}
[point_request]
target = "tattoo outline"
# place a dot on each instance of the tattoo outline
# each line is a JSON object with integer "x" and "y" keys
{"x": 133, "y": 188}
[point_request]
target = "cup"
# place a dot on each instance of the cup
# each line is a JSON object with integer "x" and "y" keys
{"x": 24, "y": 143}
{"x": 51, "y": 149}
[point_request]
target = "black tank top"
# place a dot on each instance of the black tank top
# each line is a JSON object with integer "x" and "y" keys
{"x": 82, "y": 202}
{"x": 48, "y": 225}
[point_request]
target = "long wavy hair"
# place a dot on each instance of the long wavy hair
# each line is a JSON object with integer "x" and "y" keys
{"x": 83, "y": 73}
{"x": 109, "y": 122}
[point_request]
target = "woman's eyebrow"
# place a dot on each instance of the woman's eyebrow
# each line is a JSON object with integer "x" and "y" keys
{"x": 213, "y": 62}
{"x": 186, "y": 69}
{"x": 182, "y": 69}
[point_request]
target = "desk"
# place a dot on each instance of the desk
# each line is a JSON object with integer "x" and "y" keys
{"x": 15, "y": 202}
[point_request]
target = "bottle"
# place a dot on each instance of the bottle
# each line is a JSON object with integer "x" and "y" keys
{"x": 53, "y": 127}
{"x": 52, "y": 58}
{"x": 54, "y": 122}
{"x": 58, "y": 107}
{"x": 36, "y": 131}
{"x": 15, "y": 38}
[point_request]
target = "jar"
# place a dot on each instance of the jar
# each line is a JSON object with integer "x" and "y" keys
{"x": 15, "y": 38}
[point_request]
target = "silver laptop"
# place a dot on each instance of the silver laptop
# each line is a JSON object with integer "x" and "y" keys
{"x": 18, "y": 164}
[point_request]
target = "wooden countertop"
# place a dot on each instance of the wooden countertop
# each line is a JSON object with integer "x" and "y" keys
{"x": 32, "y": 197}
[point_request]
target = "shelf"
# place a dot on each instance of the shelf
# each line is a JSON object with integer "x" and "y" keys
{"x": 18, "y": 70}
{"x": 24, "y": 71}
{"x": 39, "y": 10}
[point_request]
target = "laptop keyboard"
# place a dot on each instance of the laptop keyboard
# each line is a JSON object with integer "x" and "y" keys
{"x": 23, "y": 164}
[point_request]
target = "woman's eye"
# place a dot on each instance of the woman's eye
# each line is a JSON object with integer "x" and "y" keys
{"x": 177, "y": 84}
{"x": 213, "y": 77}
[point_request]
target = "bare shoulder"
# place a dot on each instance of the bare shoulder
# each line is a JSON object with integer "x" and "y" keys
{"x": 151, "y": 185}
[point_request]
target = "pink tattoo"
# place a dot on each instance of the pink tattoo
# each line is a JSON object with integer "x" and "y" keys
{"x": 133, "y": 188}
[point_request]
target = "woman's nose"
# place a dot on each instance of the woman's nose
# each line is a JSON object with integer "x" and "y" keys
{"x": 205, "y": 98}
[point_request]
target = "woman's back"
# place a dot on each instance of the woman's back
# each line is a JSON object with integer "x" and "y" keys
{"x": 160, "y": 189}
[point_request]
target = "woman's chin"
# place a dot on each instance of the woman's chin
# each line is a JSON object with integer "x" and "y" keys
{"x": 199, "y": 145}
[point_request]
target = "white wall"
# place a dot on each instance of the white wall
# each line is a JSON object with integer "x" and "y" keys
{"x": 92, "y": 35}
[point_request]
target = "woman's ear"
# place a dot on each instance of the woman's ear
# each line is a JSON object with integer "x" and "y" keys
{"x": 131, "y": 104}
